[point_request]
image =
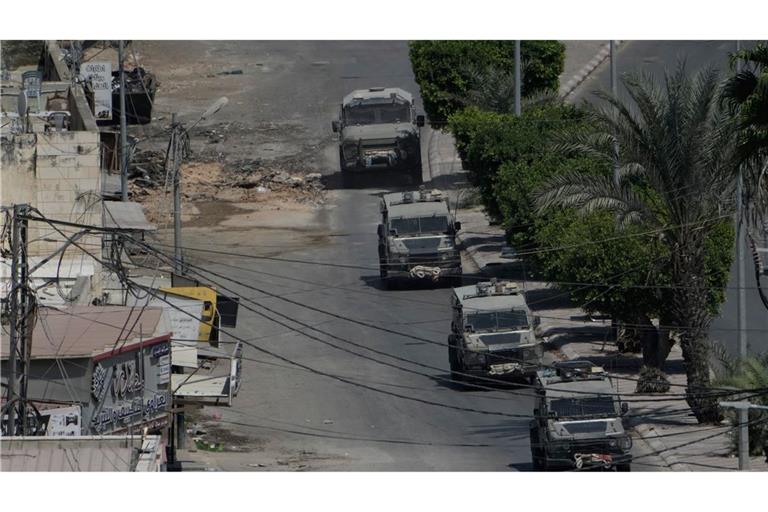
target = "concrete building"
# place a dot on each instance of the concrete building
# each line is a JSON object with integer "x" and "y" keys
{"x": 50, "y": 159}
{"x": 113, "y": 362}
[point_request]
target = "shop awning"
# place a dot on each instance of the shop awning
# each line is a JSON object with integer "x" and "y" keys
{"x": 126, "y": 215}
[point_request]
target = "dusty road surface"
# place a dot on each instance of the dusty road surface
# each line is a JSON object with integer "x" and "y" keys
{"x": 347, "y": 407}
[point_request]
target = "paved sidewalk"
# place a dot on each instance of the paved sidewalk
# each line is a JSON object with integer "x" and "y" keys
{"x": 667, "y": 435}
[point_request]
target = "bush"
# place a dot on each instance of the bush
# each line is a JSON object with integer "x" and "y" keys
{"x": 443, "y": 69}
{"x": 746, "y": 374}
{"x": 486, "y": 141}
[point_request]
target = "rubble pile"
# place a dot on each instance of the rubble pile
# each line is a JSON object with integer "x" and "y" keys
{"x": 147, "y": 169}
{"x": 203, "y": 182}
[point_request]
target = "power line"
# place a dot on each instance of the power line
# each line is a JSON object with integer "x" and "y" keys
{"x": 345, "y": 318}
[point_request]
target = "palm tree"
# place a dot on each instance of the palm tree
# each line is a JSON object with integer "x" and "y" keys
{"x": 676, "y": 169}
{"x": 746, "y": 95}
{"x": 492, "y": 88}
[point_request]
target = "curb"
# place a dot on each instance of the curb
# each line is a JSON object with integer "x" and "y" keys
{"x": 587, "y": 70}
{"x": 470, "y": 254}
{"x": 649, "y": 435}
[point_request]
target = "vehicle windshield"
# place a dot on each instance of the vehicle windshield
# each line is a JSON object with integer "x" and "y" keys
{"x": 587, "y": 406}
{"x": 384, "y": 113}
{"x": 417, "y": 225}
{"x": 515, "y": 319}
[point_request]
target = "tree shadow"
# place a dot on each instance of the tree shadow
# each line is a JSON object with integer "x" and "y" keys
{"x": 543, "y": 299}
{"x": 364, "y": 180}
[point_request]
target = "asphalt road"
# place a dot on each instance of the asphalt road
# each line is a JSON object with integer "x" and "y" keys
{"x": 654, "y": 57}
{"x": 390, "y": 414}
{"x": 394, "y": 414}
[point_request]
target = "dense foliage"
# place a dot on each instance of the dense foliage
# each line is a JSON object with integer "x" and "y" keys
{"x": 486, "y": 141}
{"x": 445, "y": 70}
{"x": 676, "y": 170}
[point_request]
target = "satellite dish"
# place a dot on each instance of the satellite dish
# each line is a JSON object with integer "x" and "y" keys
{"x": 215, "y": 107}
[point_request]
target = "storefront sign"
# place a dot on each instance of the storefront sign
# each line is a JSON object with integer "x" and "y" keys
{"x": 164, "y": 369}
{"x": 131, "y": 388}
{"x": 99, "y": 74}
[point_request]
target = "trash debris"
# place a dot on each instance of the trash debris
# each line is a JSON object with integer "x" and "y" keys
{"x": 327, "y": 422}
{"x": 257, "y": 465}
{"x": 231, "y": 72}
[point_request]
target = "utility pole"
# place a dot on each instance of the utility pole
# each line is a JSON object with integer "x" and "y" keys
{"x": 741, "y": 273}
{"x": 123, "y": 125}
{"x": 614, "y": 92}
{"x": 176, "y": 153}
{"x": 742, "y": 409}
{"x": 21, "y": 313}
{"x": 174, "y": 162}
{"x": 518, "y": 78}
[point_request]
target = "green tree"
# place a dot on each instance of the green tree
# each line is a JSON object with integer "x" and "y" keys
{"x": 746, "y": 95}
{"x": 446, "y": 70}
{"x": 676, "y": 170}
{"x": 487, "y": 141}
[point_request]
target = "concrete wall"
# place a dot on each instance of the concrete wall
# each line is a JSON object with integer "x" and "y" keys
{"x": 59, "y": 173}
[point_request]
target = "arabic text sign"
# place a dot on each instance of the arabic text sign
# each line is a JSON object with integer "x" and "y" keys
{"x": 100, "y": 76}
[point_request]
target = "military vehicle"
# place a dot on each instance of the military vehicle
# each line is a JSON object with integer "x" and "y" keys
{"x": 492, "y": 333}
{"x": 417, "y": 237}
{"x": 578, "y": 420}
{"x": 379, "y": 131}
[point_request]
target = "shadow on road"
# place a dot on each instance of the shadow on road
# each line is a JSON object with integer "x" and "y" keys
{"x": 363, "y": 180}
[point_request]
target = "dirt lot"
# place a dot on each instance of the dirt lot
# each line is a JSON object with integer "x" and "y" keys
{"x": 206, "y": 185}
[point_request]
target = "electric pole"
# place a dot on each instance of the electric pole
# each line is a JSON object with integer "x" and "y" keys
{"x": 123, "y": 125}
{"x": 177, "y": 151}
{"x": 518, "y": 78}
{"x": 741, "y": 273}
{"x": 174, "y": 160}
{"x": 21, "y": 316}
{"x": 614, "y": 92}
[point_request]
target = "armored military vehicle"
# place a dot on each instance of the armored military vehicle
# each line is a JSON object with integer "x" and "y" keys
{"x": 492, "y": 333}
{"x": 379, "y": 131}
{"x": 578, "y": 420}
{"x": 417, "y": 237}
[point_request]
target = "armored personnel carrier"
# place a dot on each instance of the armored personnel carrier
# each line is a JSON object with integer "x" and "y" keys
{"x": 492, "y": 333}
{"x": 417, "y": 237}
{"x": 578, "y": 420}
{"x": 379, "y": 131}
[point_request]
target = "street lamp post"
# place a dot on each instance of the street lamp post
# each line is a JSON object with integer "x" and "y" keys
{"x": 518, "y": 78}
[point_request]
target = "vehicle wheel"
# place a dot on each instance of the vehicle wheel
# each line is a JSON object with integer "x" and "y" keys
{"x": 623, "y": 467}
{"x": 417, "y": 176}
{"x": 537, "y": 458}
{"x": 453, "y": 361}
{"x": 347, "y": 179}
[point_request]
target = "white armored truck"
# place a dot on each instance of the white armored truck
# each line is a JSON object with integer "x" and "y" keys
{"x": 493, "y": 333}
{"x": 577, "y": 421}
{"x": 417, "y": 237}
{"x": 379, "y": 131}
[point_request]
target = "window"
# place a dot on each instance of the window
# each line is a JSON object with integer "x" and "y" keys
{"x": 416, "y": 225}
{"x": 587, "y": 406}
{"x": 383, "y": 113}
{"x": 514, "y": 319}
